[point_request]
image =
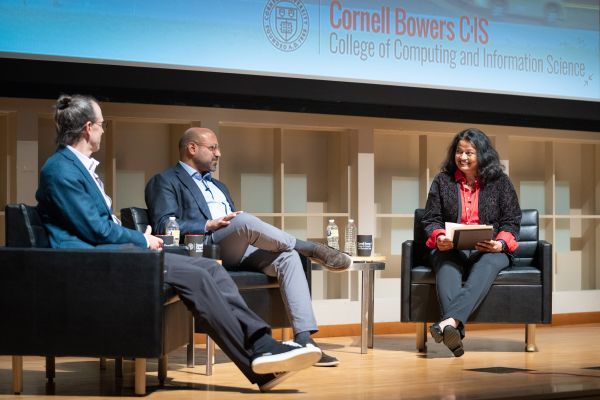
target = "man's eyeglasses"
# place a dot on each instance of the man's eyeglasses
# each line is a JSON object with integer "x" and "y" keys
{"x": 213, "y": 148}
{"x": 102, "y": 124}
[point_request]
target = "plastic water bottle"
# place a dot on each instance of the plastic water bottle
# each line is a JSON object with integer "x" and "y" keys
{"x": 333, "y": 235}
{"x": 173, "y": 230}
{"x": 350, "y": 238}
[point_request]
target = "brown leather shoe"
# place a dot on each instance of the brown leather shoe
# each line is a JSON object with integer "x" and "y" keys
{"x": 330, "y": 258}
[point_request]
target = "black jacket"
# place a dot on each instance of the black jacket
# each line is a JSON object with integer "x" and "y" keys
{"x": 498, "y": 205}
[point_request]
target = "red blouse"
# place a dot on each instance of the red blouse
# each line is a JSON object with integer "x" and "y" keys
{"x": 470, "y": 214}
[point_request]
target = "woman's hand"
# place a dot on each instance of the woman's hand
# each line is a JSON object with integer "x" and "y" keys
{"x": 443, "y": 243}
{"x": 489, "y": 246}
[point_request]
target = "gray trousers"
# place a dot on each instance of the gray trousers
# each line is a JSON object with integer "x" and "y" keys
{"x": 458, "y": 300}
{"x": 248, "y": 243}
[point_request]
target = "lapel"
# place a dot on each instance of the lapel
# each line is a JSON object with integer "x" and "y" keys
{"x": 93, "y": 187}
{"x": 187, "y": 181}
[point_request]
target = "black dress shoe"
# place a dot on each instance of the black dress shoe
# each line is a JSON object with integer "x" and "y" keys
{"x": 461, "y": 329}
{"x": 436, "y": 333}
{"x": 452, "y": 341}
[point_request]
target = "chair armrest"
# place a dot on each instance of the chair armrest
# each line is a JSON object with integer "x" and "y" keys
{"x": 544, "y": 260}
{"x": 81, "y": 302}
{"x": 405, "y": 273}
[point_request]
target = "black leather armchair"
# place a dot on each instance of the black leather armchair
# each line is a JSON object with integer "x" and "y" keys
{"x": 261, "y": 292}
{"x": 80, "y": 302}
{"x": 522, "y": 293}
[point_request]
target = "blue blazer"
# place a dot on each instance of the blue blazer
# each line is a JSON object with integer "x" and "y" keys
{"x": 175, "y": 193}
{"x": 73, "y": 209}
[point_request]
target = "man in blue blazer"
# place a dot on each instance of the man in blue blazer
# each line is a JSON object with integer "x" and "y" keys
{"x": 202, "y": 204}
{"x": 77, "y": 214}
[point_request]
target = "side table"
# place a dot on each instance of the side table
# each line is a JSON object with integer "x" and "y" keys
{"x": 367, "y": 267}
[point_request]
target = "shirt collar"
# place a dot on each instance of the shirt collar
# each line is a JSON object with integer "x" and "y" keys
{"x": 195, "y": 174}
{"x": 460, "y": 177}
{"x": 89, "y": 162}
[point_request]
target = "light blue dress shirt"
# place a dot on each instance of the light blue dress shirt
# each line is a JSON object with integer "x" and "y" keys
{"x": 215, "y": 198}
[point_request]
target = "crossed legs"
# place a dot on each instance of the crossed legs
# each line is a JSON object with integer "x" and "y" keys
{"x": 458, "y": 300}
{"x": 249, "y": 243}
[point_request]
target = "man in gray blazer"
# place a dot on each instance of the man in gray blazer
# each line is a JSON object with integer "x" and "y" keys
{"x": 202, "y": 204}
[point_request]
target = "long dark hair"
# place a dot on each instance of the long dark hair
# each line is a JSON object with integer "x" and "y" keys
{"x": 488, "y": 161}
{"x": 70, "y": 116}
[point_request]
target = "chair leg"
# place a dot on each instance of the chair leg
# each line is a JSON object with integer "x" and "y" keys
{"x": 17, "y": 374}
{"x": 191, "y": 357}
{"x": 140, "y": 376}
{"x": 287, "y": 334}
{"x": 119, "y": 367}
{"x": 530, "y": 338}
{"x": 50, "y": 368}
{"x": 162, "y": 369}
{"x": 422, "y": 337}
{"x": 210, "y": 355}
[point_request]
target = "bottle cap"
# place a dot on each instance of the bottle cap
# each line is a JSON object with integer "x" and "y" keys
{"x": 331, "y": 220}
{"x": 171, "y": 218}
{"x": 350, "y": 220}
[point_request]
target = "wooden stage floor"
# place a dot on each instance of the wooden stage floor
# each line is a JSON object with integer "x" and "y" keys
{"x": 493, "y": 367}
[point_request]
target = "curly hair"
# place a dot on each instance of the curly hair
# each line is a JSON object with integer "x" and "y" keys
{"x": 70, "y": 116}
{"x": 488, "y": 161}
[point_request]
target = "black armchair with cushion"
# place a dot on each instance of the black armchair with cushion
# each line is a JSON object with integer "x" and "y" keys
{"x": 81, "y": 302}
{"x": 522, "y": 293}
{"x": 261, "y": 292}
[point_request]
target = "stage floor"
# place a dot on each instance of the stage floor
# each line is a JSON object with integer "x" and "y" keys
{"x": 494, "y": 366}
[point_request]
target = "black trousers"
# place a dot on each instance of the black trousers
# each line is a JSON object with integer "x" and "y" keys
{"x": 477, "y": 269}
{"x": 218, "y": 308}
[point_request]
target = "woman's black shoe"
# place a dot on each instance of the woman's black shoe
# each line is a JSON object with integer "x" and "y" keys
{"x": 436, "y": 333}
{"x": 452, "y": 340}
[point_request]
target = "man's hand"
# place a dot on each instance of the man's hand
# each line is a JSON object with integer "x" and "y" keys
{"x": 154, "y": 243}
{"x": 489, "y": 246}
{"x": 443, "y": 243}
{"x": 221, "y": 222}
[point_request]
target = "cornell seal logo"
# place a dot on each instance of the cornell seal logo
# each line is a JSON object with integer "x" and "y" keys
{"x": 286, "y": 23}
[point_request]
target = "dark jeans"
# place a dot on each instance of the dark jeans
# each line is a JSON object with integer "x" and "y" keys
{"x": 478, "y": 269}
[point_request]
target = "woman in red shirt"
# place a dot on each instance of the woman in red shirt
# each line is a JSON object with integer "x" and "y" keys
{"x": 471, "y": 188}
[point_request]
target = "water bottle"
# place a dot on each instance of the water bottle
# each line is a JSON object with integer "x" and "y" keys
{"x": 173, "y": 230}
{"x": 350, "y": 238}
{"x": 333, "y": 235}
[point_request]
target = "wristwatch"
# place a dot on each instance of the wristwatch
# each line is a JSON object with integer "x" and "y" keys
{"x": 503, "y": 243}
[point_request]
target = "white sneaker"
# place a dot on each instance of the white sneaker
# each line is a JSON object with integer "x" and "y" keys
{"x": 279, "y": 377}
{"x": 289, "y": 356}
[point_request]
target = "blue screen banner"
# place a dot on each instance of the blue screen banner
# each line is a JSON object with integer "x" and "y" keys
{"x": 528, "y": 47}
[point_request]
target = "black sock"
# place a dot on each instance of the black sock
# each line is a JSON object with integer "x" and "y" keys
{"x": 302, "y": 338}
{"x": 264, "y": 344}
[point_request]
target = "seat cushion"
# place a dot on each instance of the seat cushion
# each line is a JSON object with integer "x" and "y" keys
{"x": 514, "y": 275}
{"x": 253, "y": 280}
{"x": 169, "y": 292}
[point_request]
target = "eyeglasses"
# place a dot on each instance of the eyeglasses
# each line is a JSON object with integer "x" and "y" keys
{"x": 213, "y": 148}
{"x": 102, "y": 124}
